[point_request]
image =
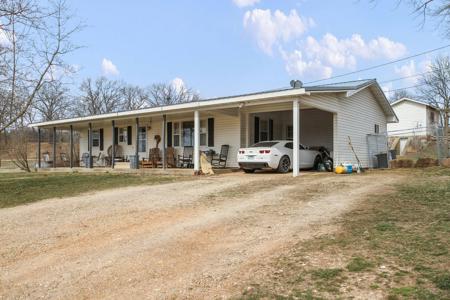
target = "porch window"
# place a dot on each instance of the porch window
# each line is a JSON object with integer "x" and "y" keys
{"x": 188, "y": 133}
{"x": 176, "y": 134}
{"x": 203, "y": 133}
{"x": 123, "y": 135}
{"x": 142, "y": 139}
{"x": 95, "y": 138}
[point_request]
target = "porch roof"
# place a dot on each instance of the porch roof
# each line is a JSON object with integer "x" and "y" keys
{"x": 350, "y": 87}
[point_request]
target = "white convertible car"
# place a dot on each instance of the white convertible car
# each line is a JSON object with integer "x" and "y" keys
{"x": 275, "y": 155}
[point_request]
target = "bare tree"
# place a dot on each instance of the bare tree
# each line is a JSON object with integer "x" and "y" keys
{"x": 436, "y": 88}
{"x": 166, "y": 94}
{"x": 52, "y": 101}
{"x": 34, "y": 38}
{"x": 99, "y": 97}
{"x": 436, "y": 9}
{"x": 18, "y": 149}
{"x": 399, "y": 94}
{"x": 133, "y": 97}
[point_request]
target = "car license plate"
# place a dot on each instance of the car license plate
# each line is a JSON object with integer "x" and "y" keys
{"x": 250, "y": 157}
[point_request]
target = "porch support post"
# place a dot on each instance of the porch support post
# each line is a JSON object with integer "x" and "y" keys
{"x": 196, "y": 142}
{"x": 136, "y": 152}
{"x": 296, "y": 138}
{"x": 54, "y": 147}
{"x": 164, "y": 133}
{"x": 113, "y": 148}
{"x": 39, "y": 148}
{"x": 71, "y": 147}
{"x": 90, "y": 147}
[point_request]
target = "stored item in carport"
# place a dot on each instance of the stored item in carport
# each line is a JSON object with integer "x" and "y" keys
{"x": 340, "y": 169}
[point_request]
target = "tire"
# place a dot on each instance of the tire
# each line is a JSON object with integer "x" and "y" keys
{"x": 249, "y": 170}
{"x": 317, "y": 161}
{"x": 284, "y": 165}
{"x": 328, "y": 163}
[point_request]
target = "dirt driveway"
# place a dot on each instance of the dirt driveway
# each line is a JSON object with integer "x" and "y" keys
{"x": 192, "y": 239}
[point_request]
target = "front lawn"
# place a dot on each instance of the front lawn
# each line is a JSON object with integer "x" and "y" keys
{"x": 395, "y": 245}
{"x": 21, "y": 188}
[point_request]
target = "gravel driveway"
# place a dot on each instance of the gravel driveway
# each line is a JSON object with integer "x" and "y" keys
{"x": 192, "y": 239}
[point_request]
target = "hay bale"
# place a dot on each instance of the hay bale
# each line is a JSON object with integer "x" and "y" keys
{"x": 426, "y": 162}
{"x": 401, "y": 163}
{"x": 446, "y": 163}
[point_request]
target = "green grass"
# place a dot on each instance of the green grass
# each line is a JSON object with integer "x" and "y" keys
{"x": 22, "y": 188}
{"x": 396, "y": 243}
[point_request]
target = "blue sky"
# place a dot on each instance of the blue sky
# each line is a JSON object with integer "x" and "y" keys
{"x": 233, "y": 46}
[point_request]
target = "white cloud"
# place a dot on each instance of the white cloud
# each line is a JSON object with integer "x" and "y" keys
{"x": 178, "y": 84}
{"x": 412, "y": 71}
{"x": 320, "y": 57}
{"x": 108, "y": 68}
{"x": 271, "y": 29}
{"x": 245, "y": 3}
{"x": 387, "y": 89}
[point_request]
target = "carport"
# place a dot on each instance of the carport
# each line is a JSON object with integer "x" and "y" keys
{"x": 293, "y": 120}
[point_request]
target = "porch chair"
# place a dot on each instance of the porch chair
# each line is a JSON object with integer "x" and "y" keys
{"x": 154, "y": 158}
{"x": 185, "y": 160}
{"x": 64, "y": 159}
{"x": 170, "y": 157}
{"x": 220, "y": 161}
{"x": 117, "y": 157}
{"x": 47, "y": 160}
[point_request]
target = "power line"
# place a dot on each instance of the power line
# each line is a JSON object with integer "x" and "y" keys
{"x": 380, "y": 65}
{"x": 405, "y": 88}
{"x": 406, "y": 77}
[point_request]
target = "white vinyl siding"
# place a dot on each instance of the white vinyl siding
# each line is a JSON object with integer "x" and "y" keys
{"x": 412, "y": 119}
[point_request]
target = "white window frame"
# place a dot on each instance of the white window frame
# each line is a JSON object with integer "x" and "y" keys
{"x": 176, "y": 135}
{"x": 95, "y": 138}
{"x": 142, "y": 138}
{"x": 123, "y": 135}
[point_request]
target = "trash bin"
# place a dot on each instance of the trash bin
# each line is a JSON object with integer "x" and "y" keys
{"x": 382, "y": 160}
{"x": 88, "y": 161}
{"x": 134, "y": 161}
{"x": 393, "y": 154}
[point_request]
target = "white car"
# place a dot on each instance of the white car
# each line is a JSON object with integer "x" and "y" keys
{"x": 275, "y": 155}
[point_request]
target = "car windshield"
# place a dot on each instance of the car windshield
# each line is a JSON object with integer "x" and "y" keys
{"x": 264, "y": 144}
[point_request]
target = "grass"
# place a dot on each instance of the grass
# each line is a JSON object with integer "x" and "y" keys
{"x": 21, "y": 188}
{"x": 395, "y": 244}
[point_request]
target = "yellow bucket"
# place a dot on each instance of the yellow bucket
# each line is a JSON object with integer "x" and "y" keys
{"x": 340, "y": 170}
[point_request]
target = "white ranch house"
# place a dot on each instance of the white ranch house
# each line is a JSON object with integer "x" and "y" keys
{"x": 324, "y": 115}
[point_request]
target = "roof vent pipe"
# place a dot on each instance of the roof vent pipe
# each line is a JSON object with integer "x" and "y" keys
{"x": 296, "y": 84}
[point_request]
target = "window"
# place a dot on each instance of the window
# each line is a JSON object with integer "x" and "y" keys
{"x": 290, "y": 145}
{"x": 176, "y": 134}
{"x": 265, "y": 144}
{"x": 188, "y": 133}
{"x": 142, "y": 139}
{"x": 377, "y": 128}
{"x": 123, "y": 135}
{"x": 95, "y": 138}
{"x": 432, "y": 117}
{"x": 203, "y": 132}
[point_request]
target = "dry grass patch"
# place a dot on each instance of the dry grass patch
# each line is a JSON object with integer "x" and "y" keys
{"x": 395, "y": 245}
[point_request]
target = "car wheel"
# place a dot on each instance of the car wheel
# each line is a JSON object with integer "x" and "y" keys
{"x": 249, "y": 170}
{"x": 317, "y": 161}
{"x": 284, "y": 164}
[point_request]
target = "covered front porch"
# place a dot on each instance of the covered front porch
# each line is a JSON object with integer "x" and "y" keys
{"x": 176, "y": 136}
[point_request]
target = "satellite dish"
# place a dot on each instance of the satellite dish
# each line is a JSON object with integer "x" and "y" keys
{"x": 296, "y": 84}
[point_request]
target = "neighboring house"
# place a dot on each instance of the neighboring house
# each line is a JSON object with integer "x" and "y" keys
{"x": 328, "y": 116}
{"x": 415, "y": 118}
